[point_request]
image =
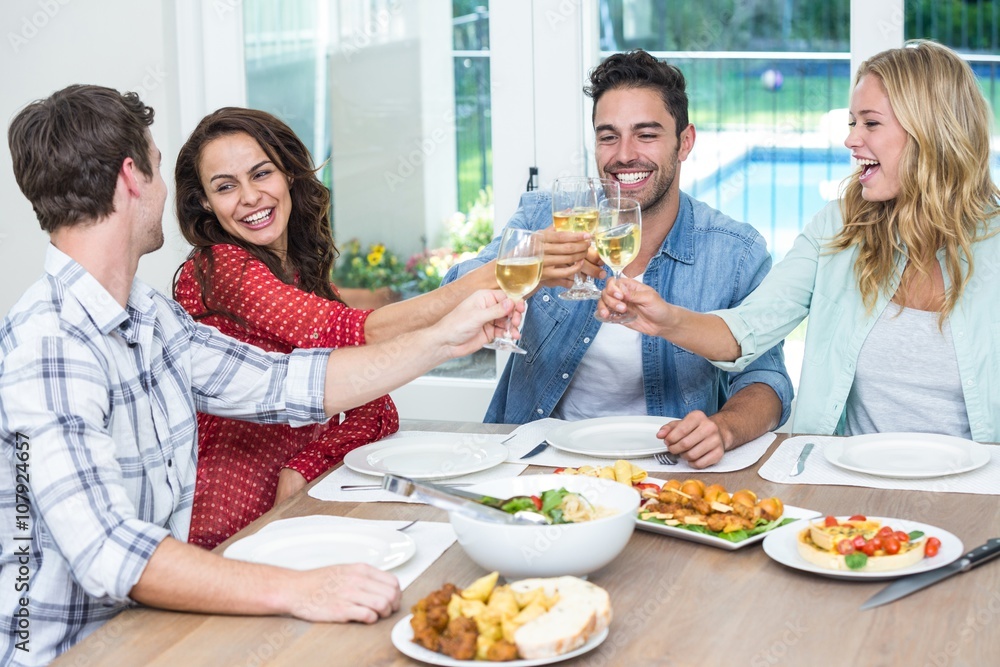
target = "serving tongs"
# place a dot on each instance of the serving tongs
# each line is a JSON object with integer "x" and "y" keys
{"x": 454, "y": 500}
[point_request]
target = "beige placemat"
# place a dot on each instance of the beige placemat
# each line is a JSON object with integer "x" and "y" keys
{"x": 431, "y": 537}
{"x": 526, "y": 436}
{"x": 818, "y": 470}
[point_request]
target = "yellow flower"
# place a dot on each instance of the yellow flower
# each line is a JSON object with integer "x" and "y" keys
{"x": 375, "y": 256}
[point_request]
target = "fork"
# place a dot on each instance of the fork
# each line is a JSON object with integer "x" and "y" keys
{"x": 666, "y": 459}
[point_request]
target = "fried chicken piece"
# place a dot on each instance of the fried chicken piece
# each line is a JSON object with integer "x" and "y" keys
{"x": 429, "y": 638}
{"x": 423, "y": 633}
{"x": 501, "y": 651}
{"x": 701, "y": 506}
{"x": 439, "y": 598}
{"x": 690, "y": 516}
{"x": 459, "y": 639}
{"x": 437, "y": 617}
{"x": 728, "y": 523}
{"x": 662, "y": 508}
{"x": 748, "y": 512}
{"x": 442, "y": 597}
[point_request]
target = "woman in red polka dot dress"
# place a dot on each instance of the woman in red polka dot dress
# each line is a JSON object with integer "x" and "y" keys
{"x": 249, "y": 202}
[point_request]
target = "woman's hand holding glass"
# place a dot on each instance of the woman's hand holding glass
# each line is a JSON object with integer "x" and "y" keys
{"x": 575, "y": 204}
{"x": 519, "y": 268}
{"x": 618, "y": 238}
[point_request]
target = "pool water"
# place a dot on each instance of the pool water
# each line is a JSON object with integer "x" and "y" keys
{"x": 776, "y": 195}
{"x": 779, "y": 191}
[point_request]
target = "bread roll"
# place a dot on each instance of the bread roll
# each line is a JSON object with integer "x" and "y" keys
{"x": 582, "y": 611}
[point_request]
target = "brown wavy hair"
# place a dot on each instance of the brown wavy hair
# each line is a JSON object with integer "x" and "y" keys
{"x": 947, "y": 197}
{"x": 311, "y": 251}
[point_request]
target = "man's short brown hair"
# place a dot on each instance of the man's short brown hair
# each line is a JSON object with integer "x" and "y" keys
{"x": 638, "y": 69}
{"x": 67, "y": 151}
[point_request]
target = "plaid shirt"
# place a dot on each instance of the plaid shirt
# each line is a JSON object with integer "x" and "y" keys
{"x": 98, "y": 432}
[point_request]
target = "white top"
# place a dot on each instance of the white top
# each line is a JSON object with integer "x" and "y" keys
{"x": 907, "y": 378}
{"x": 608, "y": 381}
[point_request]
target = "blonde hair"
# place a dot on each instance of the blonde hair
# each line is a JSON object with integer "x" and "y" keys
{"x": 946, "y": 196}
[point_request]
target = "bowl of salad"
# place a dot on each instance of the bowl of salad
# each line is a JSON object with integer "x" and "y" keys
{"x": 590, "y": 520}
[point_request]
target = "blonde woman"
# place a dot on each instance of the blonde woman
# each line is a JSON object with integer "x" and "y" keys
{"x": 900, "y": 279}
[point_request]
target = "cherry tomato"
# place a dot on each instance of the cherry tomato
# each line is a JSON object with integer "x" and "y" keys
{"x": 858, "y": 517}
{"x": 640, "y": 487}
{"x": 901, "y": 536}
{"x": 868, "y": 549}
{"x": 537, "y": 501}
{"x": 931, "y": 549}
{"x": 884, "y": 532}
{"x": 877, "y": 541}
{"x": 891, "y": 545}
{"x": 858, "y": 541}
{"x": 831, "y": 521}
{"x": 558, "y": 470}
{"x": 845, "y": 547}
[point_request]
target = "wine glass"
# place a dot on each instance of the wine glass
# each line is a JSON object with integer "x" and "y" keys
{"x": 574, "y": 209}
{"x": 519, "y": 268}
{"x": 618, "y": 238}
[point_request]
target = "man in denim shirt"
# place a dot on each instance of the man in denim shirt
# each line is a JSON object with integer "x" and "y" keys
{"x": 695, "y": 256}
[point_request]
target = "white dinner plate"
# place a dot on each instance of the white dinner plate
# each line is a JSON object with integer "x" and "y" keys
{"x": 906, "y": 455}
{"x": 402, "y": 639}
{"x": 782, "y": 545}
{"x": 718, "y": 542}
{"x": 611, "y": 437}
{"x": 307, "y": 547}
{"x": 426, "y": 457}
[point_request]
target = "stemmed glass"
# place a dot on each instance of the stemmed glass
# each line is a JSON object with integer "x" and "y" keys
{"x": 574, "y": 209}
{"x": 618, "y": 238}
{"x": 519, "y": 268}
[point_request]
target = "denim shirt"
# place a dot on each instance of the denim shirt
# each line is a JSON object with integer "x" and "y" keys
{"x": 707, "y": 261}
{"x": 811, "y": 280}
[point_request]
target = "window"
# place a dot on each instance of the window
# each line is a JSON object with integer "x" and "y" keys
{"x": 406, "y": 152}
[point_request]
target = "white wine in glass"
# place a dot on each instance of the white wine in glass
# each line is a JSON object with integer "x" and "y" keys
{"x": 618, "y": 239}
{"x": 519, "y": 268}
{"x": 574, "y": 209}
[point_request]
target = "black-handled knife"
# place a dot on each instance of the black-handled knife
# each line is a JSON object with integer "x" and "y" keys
{"x": 907, "y": 585}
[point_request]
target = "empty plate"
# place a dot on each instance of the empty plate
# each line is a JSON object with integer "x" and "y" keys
{"x": 308, "y": 545}
{"x": 426, "y": 457}
{"x": 906, "y": 455}
{"x": 611, "y": 437}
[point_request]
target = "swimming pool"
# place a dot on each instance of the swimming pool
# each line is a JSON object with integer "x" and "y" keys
{"x": 777, "y": 190}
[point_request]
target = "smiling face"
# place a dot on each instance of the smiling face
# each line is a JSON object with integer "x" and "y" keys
{"x": 637, "y": 145}
{"x": 876, "y": 140}
{"x": 246, "y": 191}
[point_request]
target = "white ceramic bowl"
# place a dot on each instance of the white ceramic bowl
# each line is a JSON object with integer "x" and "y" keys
{"x": 577, "y": 549}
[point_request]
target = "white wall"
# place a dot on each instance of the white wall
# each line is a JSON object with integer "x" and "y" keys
{"x": 49, "y": 44}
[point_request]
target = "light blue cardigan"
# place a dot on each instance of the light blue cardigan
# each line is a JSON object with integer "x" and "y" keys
{"x": 812, "y": 281}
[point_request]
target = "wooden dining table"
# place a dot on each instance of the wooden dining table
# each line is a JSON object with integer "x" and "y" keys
{"x": 675, "y": 602}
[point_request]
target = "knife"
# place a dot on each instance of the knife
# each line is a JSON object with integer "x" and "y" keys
{"x": 538, "y": 449}
{"x": 378, "y": 487}
{"x": 800, "y": 463}
{"x": 903, "y": 587}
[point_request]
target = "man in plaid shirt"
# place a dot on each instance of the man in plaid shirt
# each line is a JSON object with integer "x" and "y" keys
{"x": 100, "y": 379}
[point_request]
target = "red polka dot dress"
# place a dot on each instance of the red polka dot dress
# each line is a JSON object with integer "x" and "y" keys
{"x": 238, "y": 461}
